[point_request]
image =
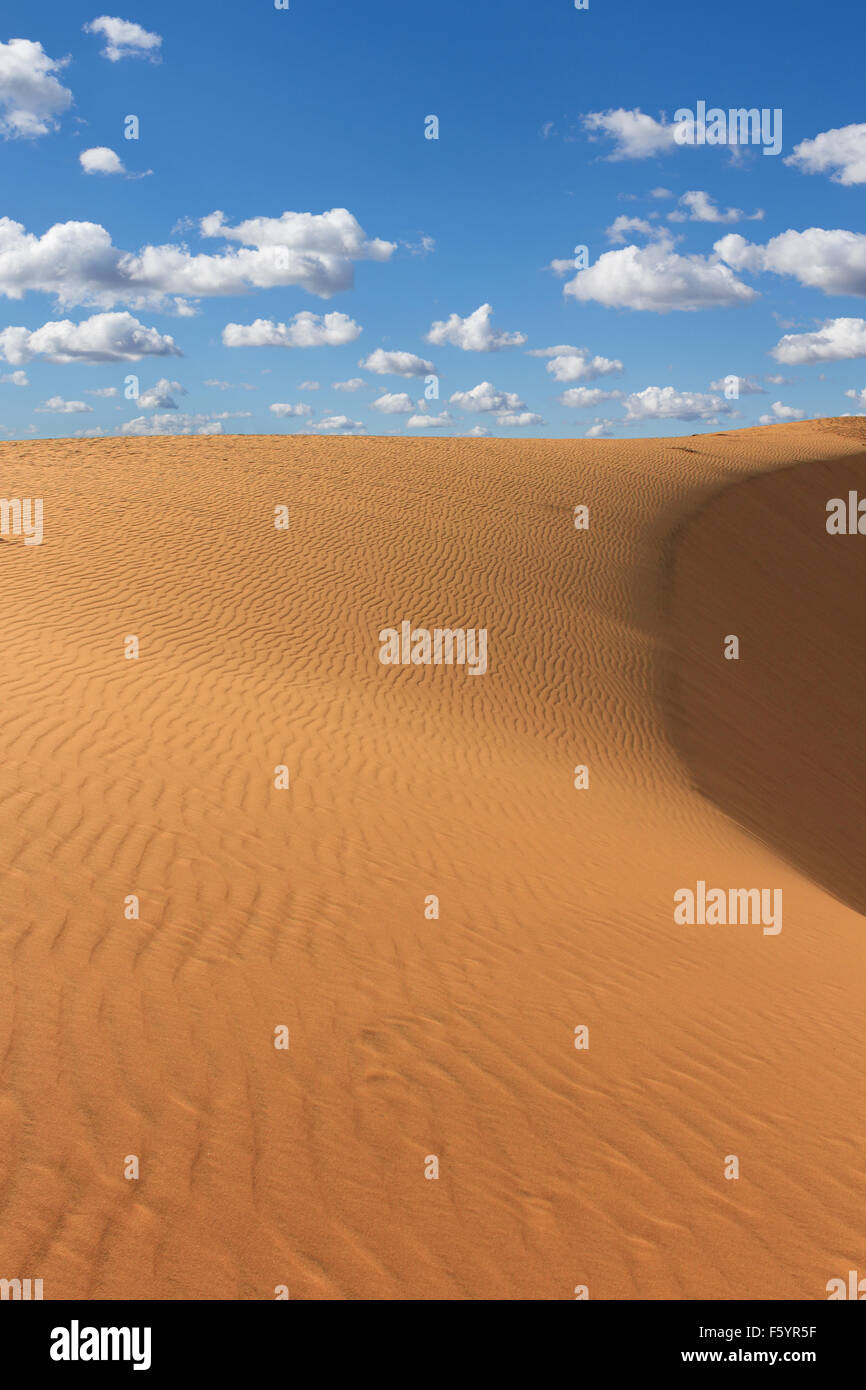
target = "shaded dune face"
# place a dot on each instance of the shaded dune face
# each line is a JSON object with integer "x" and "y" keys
{"x": 777, "y": 739}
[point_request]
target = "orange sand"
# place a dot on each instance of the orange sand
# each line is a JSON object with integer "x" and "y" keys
{"x": 411, "y": 1037}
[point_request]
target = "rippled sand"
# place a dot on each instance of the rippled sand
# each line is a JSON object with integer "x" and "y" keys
{"x": 412, "y": 1037}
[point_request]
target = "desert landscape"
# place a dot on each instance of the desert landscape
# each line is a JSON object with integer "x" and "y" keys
{"x": 306, "y": 907}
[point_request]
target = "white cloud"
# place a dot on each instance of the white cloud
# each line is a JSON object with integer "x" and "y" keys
{"x": 394, "y": 364}
{"x": 656, "y": 278}
{"x": 171, "y": 424}
{"x": 308, "y": 386}
{"x": 394, "y": 403}
{"x": 285, "y": 411}
{"x": 56, "y": 405}
{"x": 478, "y": 432}
{"x": 101, "y": 160}
{"x": 836, "y": 340}
{"x": 858, "y": 396}
{"x": 353, "y": 384}
{"x": 746, "y": 385}
{"x": 524, "y": 417}
{"x": 474, "y": 333}
{"x": 31, "y": 98}
{"x": 417, "y": 422}
{"x": 123, "y": 39}
{"x": 580, "y": 396}
{"x": 830, "y": 260}
{"x": 77, "y": 262}
{"x": 600, "y": 430}
{"x": 700, "y": 207}
{"x": 304, "y": 330}
{"x": 665, "y": 403}
{"x": 336, "y": 233}
{"x": 485, "y": 397}
{"x": 575, "y": 364}
{"x": 422, "y": 247}
{"x": 617, "y": 232}
{"x": 341, "y": 424}
{"x": 15, "y": 379}
{"x": 161, "y": 396}
{"x": 781, "y": 412}
{"x": 562, "y": 267}
{"x": 636, "y": 135}
{"x": 561, "y": 350}
{"x": 101, "y": 338}
{"x": 660, "y": 193}
{"x": 95, "y": 432}
{"x": 842, "y": 151}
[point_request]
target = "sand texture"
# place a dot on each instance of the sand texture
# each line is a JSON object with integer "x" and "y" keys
{"x": 412, "y": 1037}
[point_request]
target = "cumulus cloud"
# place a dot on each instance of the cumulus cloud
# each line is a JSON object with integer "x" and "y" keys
{"x": 618, "y": 232}
{"x": 31, "y": 97}
{"x": 77, "y": 261}
{"x": 841, "y": 153}
{"x": 393, "y": 364}
{"x": 665, "y": 403}
{"x": 417, "y": 422}
{"x": 340, "y": 424}
{"x": 836, "y": 340}
{"x": 600, "y": 430}
{"x": 485, "y": 397}
{"x": 171, "y": 424}
{"x": 523, "y": 417}
{"x": 575, "y": 364}
{"x": 700, "y": 207}
{"x": 101, "y": 160}
{"x": 561, "y": 350}
{"x": 305, "y": 330}
{"x": 101, "y": 338}
{"x": 746, "y": 385}
{"x": 161, "y": 396}
{"x": 123, "y": 39}
{"x": 565, "y": 265}
{"x": 308, "y": 386}
{"x": 781, "y": 412}
{"x": 657, "y": 278}
{"x": 580, "y": 396}
{"x": 353, "y": 384}
{"x": 830, "y": 260}
{"x": 394, "y": 403}
{"x": 334, "y": 233}
{"x": 56, "y": 405}
{"x": 15, "y": 379}
{"x": 635, "y": 135}
{"x": 285, "y": 411}
{"x": 474, "y": 333}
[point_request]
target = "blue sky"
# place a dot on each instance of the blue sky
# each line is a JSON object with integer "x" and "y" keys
{"x": 305, "y": 129}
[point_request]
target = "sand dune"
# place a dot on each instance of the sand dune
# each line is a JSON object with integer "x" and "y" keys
{"x": 306, "y": 908}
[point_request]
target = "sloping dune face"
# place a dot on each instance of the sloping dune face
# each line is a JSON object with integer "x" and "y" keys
{"x": 413, "y": 1037}
{"x": 778, "y": 737}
